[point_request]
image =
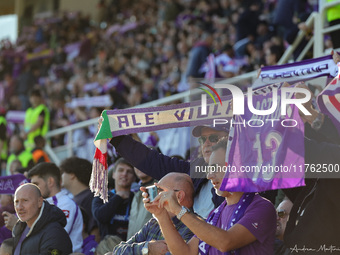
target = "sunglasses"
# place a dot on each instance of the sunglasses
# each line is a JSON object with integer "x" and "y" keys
{"x": 282, "y": 213}
{"x": 212, "y": 139}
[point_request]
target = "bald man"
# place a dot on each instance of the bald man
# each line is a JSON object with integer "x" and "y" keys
{"x": 40, "y": 228}
{"x": 149, "y": 240}
{"x": 283, "y": 211}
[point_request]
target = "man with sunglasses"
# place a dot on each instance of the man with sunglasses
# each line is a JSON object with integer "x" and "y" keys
{"x": 149, "y": 240}
{"x": 283, "y": 211}
{"x": 158, "y": 165}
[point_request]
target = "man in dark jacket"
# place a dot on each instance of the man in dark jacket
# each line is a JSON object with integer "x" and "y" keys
{"x": 40, "y": 229}
{"x": 314, "y": 223}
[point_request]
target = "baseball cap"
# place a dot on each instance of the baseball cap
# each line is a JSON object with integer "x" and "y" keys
{"x": 196, "y": 132}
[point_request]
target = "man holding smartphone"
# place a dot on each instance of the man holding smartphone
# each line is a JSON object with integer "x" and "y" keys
{"x": 149, "y": 240}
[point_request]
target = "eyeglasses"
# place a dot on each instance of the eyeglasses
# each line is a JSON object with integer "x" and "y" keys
{"x": 282, "y": 213}
{"x": 159, "y": 190}
{"x": 212, "y": 139}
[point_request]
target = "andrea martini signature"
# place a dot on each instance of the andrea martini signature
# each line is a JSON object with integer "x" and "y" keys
{"x": 322, "y": 249}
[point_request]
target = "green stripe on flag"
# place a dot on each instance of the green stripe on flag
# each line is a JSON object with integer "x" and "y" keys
{"x": 104, "y": 131}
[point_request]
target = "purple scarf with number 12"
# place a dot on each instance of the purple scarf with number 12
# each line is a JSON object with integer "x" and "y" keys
{"x": 238, "y": 213}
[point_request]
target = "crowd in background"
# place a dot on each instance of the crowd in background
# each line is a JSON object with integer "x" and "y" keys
{"x": 139, "y": 51}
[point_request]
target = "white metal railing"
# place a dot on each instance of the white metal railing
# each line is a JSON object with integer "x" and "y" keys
{"x": 319, "y": 26}
{"x": 289, "y": 51}
{"x": 316, "y": 19}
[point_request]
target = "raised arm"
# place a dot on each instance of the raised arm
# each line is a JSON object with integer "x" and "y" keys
{"x": 148, "y": 160}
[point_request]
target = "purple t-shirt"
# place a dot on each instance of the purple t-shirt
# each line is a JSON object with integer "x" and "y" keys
{"x": 23, "y": 236}
{"x": 260, "y": 219}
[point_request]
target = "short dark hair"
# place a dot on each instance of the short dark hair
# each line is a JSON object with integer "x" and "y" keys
{"x": 45, "y": 170}
{"x": 277, "y": 51}
{"x": 39, "y": 139}
{"x": 122, "y": 161}
{"x": 226, "y": 47}
{"x": 35, "y": 92}
{"x": 80, "y": 167}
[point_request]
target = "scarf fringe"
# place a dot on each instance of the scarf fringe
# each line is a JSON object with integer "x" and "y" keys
{"x": 99, "y": 178}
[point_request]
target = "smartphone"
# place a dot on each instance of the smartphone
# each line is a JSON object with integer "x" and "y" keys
{"x": 152, "y": 191}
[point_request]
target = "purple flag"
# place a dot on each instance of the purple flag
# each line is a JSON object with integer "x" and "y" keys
{"x": 112, "y": 29}
{"x": 91, "y": 86}
{"x": 72, "y": 50}
{"x": 329, "y": 100}
{"x": 127, "y": 27}
{"x": 211, "y": 72}
{"x": 8, "y": 184}
{"x": 114, "y": 82}
{"x": 266, "y": 152}
{"x": 15, "y": 116}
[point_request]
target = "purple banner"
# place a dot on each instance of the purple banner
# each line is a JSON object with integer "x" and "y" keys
{"x": 298, "y": 71}
{"x": 8, "y": 184}
{"x": 127, "y": 27}
{"x": 111, "y": 84}
{"x": 266, "y": 152}
{"x": 15, "y": 116}
{"x": 72, "y": 50}
{"x": 98, "y": 101}
{"x": 91, "y": 86}
{"x": 127, "y": 121}
{"x": 112, "y": 29}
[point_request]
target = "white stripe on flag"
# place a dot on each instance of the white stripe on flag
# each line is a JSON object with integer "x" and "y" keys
{"x": 330, "y": 107}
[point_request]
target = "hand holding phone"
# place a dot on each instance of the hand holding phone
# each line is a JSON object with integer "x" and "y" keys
{"x": 152, "y": 192}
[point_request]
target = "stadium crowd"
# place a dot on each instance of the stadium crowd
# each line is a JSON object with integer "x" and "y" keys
{"x": 61, "y": 70}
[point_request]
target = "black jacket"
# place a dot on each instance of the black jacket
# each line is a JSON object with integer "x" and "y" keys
{"x": 113, "y": 216}
{"x": 314, "y": 219}
{"x": 47, "y": 235}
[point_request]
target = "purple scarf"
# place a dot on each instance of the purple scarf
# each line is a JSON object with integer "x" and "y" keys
{"x": 8, "y": 184}
{"x": 238, "y": 213}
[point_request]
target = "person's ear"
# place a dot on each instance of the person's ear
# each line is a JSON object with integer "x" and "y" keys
{"x": 40, "y": 202}
{"x": 180, "y": 196}
{"x": 50, "y": 181}
{"x": 72, "y": 176}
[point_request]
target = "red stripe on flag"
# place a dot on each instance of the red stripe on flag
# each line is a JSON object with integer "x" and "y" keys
{"x": 334, "y": 81}
{"x": 101, "y": 157}
{"x": 335, "y": 102}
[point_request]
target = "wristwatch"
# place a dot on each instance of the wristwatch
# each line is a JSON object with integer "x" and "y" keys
{"x": 145, "y": 249}
{"x": 182, "y": 212}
